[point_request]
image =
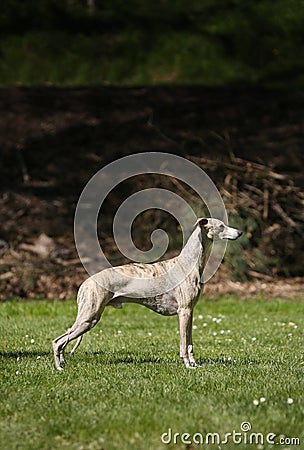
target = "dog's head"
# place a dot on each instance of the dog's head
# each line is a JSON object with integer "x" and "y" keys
{"x": 216, "y": 229}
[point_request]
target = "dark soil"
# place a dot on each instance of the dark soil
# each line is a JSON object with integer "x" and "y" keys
{"x": 53, "y": 140}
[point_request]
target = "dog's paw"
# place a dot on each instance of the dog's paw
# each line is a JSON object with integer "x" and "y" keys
{"x": 191, "y": 365}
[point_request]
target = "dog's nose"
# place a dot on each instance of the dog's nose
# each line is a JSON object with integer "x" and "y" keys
{"x": 240, "y": 233}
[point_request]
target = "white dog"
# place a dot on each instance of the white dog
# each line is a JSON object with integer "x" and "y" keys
{"x": 167, "y": 287}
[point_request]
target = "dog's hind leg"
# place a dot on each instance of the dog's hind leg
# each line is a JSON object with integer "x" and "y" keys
{"x": 76, "y": 345}
{"x": 77, "y": 330}
{"x": 91, "y": 303}
{"x": 58, "y": 347}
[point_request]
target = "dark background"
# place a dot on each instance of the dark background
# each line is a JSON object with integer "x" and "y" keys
{"x": 84, "y": 83}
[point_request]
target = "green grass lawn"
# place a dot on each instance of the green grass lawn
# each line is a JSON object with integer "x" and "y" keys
{"x": 126, "y": 386}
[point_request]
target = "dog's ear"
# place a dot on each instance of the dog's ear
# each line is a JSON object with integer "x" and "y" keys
{"x": 201, "y": 222}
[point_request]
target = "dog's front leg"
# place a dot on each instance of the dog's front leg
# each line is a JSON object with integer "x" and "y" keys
{"x": 189, "y": 343}
{"x": 185, "y": 330}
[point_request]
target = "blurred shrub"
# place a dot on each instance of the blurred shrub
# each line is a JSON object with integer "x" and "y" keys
{"x": 210, "y": 42}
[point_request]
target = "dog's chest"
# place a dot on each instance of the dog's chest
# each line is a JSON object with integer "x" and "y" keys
{"x": 164, "y": 304}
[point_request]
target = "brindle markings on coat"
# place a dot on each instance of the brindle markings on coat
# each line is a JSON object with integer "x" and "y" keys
{"x": 129, "y": 284}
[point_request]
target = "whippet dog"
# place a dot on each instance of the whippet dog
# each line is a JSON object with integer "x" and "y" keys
{"x": 130, "y": 284}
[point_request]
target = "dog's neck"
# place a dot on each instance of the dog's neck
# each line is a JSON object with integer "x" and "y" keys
{"x": 196, "y": 250}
